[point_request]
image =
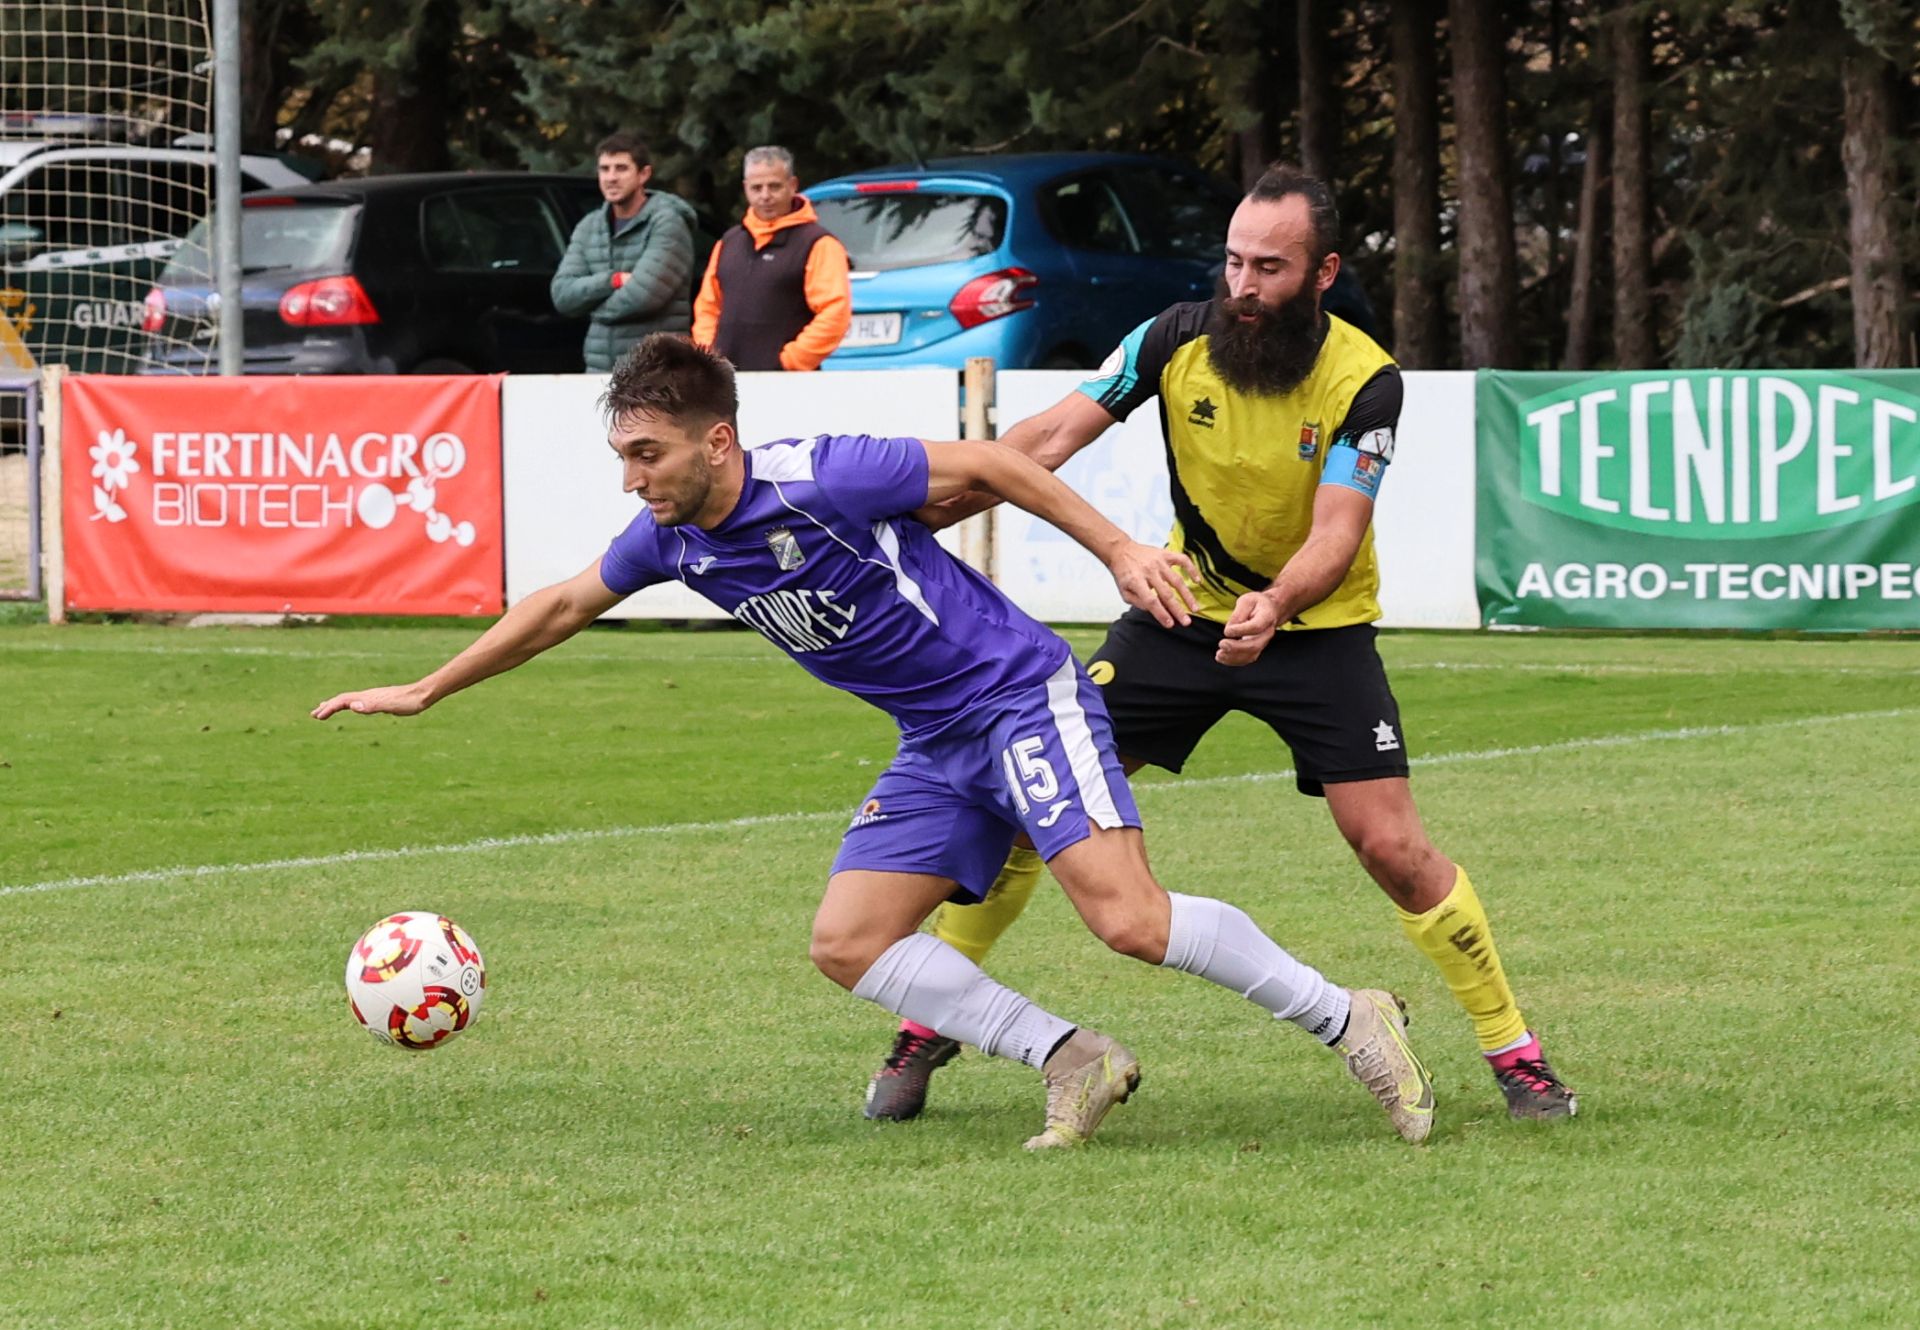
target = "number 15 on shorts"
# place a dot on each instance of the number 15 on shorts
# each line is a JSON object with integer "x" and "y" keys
{"x": 1031, "y": 778}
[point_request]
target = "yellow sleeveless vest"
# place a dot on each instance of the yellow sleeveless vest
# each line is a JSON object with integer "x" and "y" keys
{"x": 1244, "y": 472}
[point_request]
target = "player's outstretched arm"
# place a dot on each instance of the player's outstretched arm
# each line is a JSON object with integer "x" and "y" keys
{"x": 1060, "y": 431}
{"x": 1149, "y": 578}
{"x": 1049, "y": 438}
{"x": 544, "y": 619}
{"x": 1340, "y": 518}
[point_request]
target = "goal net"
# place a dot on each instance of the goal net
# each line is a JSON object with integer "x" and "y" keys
{"x": 106, "y": 163}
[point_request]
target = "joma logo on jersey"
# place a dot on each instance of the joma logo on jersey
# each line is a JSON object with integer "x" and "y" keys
{"x": 799, "y": 621}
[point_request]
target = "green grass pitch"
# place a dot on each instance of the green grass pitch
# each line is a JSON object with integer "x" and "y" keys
{"x": 1700, "y": 856}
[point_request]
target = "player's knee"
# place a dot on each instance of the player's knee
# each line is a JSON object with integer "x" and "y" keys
{"x": 842, "y": 955}
{"x": 1395, "y": 856}
{"x": 1133, "y": 931}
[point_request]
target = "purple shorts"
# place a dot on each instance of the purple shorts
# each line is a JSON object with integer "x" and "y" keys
{"x": 1040, "y": 760}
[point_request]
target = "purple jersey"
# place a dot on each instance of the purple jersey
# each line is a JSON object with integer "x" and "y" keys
{"x": 820, "y": 557}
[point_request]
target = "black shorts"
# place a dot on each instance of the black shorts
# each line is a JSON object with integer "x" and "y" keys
{"x": 1323, "y": 690}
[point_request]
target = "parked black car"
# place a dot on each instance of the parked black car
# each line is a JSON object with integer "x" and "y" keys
{"x": 404, "y": 274}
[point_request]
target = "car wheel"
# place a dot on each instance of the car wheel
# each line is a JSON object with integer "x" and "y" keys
{"x": 441, "y": 365}
{"x": 1063, "y": 359}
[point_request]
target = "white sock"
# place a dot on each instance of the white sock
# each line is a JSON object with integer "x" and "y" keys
{"x": 1218, "y": 941}
{"x": 925, "y": 980}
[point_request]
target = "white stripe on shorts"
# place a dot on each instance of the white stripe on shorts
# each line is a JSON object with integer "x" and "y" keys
{"x": 1076, "y": 737}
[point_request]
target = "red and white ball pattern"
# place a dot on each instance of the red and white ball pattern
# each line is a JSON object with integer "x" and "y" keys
{"x": 414, "y": 980}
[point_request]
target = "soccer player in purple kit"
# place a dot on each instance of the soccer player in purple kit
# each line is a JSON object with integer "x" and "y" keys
{"x": 810, "y": 543}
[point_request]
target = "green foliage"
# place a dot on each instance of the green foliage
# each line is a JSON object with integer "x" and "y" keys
{"x": 1721, "y": 325}
{"x": 1885, "y": 26}
{"x": 1756, "y": 184}
{"x": 141, "y": 62}
{"x": 1744, "y": 98}
{"x": 851, "y": 84}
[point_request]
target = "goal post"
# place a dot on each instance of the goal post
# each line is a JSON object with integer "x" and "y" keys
{"x": 53, "y": 522}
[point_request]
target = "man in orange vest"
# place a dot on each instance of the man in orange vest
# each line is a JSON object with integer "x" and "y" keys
{"x": 776, "y": 294}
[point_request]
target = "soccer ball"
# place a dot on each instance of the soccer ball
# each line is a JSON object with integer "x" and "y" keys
{"x": 415, "y": 980}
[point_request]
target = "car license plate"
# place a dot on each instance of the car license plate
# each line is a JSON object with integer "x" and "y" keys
{"x": 872, "y": 330}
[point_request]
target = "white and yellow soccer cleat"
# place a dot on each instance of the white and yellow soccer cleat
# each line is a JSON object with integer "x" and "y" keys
{"x": 1377, "y": 1053}
{"x": 1086, "y": 1076}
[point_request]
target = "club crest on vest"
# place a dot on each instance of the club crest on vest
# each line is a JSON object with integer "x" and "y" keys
{"x": 786, "y": 550}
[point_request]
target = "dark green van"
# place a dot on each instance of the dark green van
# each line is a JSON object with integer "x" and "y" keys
{"x": 84, "y": 230}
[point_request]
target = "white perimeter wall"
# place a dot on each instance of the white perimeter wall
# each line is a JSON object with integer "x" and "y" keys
{"x": 1423, "y": 528}
{"x": 1423, "y": 524}
{"x": 563, "y": 499}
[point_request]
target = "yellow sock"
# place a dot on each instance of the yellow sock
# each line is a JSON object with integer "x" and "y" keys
{"x": 972, "y": 930}
{"x": 1456, "y": 937}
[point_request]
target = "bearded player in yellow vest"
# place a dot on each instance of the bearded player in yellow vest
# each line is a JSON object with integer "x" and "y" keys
{"x": 1279, "y": 422}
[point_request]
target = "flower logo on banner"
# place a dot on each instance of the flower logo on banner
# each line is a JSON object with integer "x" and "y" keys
{"x": 113, "y": 463}
{"x": 445, "y": 455}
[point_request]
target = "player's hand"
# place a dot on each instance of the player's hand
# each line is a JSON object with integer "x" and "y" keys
{"x": 401, "y": 700}
{"x": 1155, "y": 580}
{"x": 1247, "y": 633}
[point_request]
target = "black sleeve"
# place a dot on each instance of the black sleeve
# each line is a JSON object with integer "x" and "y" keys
{"x": 1131, "y": 375}
{"x": 1374, "y": 415}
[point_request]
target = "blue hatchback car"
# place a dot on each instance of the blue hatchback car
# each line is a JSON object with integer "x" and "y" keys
{"x": 1041, "y": 261}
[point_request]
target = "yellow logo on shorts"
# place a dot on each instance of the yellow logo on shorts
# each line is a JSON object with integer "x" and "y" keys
{"x": 1101, "y": 672}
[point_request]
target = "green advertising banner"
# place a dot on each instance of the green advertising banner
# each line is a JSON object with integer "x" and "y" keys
{"x": 1699, "y": 499}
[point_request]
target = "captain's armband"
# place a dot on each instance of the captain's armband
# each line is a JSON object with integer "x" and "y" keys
{"x": 1353, "y": 469}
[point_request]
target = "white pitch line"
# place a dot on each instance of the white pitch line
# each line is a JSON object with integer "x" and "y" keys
{"x": 480, "y": 846}
{"x": 1628, "y": 667}
{"x": 487, "y": 844}
{"x": 1565, "y": 746}
{"x": 771, "y": 656}
{"x": 397, "y": 653}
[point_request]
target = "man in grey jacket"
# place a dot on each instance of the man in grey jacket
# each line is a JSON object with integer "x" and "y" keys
{"x": 629, "y": 266}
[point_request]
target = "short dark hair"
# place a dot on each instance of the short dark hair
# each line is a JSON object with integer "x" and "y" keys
{"x": 667, "y": 375}
{"x": 1283, "y": 180}
{"x": 625, "y": 140}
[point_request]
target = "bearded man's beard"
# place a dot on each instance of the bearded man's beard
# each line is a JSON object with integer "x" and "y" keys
{"x": 1271, "y": 354}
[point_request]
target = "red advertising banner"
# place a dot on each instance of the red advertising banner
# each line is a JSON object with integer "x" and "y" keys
{"x": 376, "y": 495}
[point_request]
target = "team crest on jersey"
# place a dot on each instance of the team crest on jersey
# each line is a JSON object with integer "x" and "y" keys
{"x": 869, "y": 814}
{"x": 1309, "y": 440}
{"x": 786, "y": 550}
{"x": 1112, "y": 365}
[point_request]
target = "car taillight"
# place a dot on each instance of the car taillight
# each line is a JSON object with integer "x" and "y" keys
{"x": 156, "y": 317}
{"x": 886, "y": 187}
{"x": 993, "y": 296}
{"x": 327, "y": 303}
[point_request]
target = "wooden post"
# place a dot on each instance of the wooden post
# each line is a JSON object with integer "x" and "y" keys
{"x": 53, "y": 542}
{"x": 976, "y": 533}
